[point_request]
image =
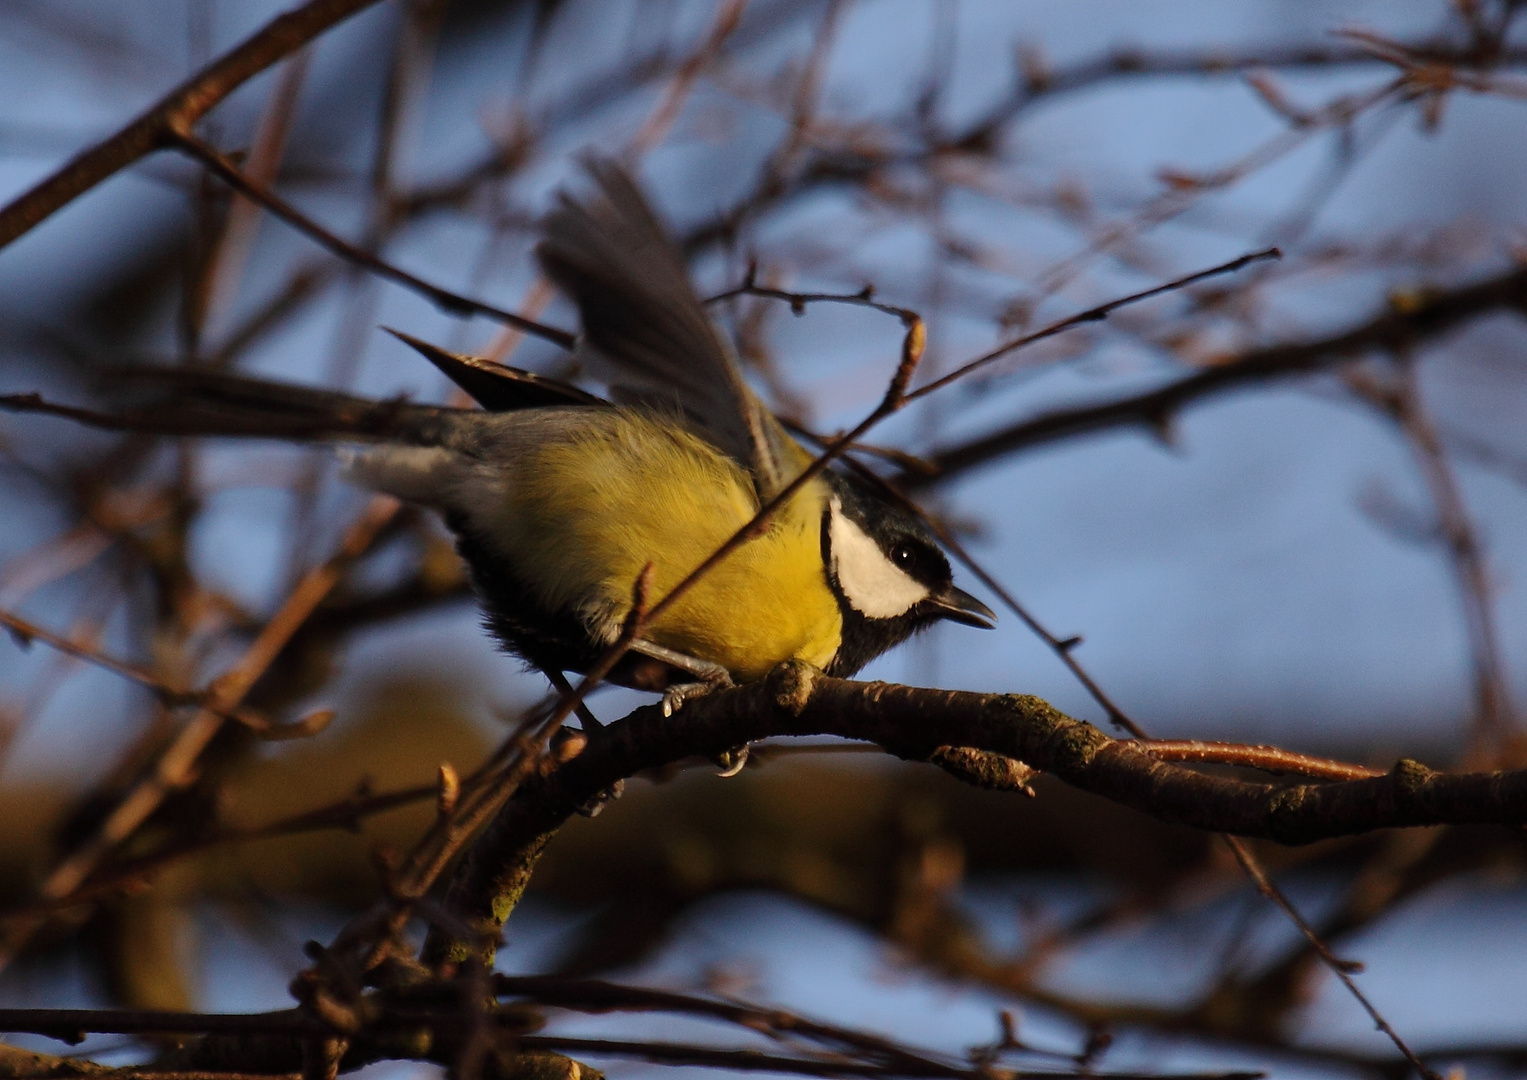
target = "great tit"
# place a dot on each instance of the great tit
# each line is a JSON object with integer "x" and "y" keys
{"x": 559, "y": 499}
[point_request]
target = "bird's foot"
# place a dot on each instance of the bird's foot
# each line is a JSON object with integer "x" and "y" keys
{"x": 710, "y": 678}
{"x": 677, "y": 694}
{"x": 708, "y": 675}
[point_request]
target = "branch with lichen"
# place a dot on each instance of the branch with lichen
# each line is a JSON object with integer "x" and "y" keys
{"x": 991, "y": 740}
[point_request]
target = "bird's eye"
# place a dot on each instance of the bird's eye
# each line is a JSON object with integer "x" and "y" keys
{"x": 902, "y": 556}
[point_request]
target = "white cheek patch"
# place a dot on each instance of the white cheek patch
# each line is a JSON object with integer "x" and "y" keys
{"x": 872, "y": 583}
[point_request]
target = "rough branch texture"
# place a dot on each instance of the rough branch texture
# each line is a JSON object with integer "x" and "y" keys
{"x": 927, "y": 725}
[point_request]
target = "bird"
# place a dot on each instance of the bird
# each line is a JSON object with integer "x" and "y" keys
{"x": 559, "y": 499}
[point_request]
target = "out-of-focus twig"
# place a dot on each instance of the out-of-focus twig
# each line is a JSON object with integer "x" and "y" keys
{"x": 661, "y": 119}
{"x": 1400, "y": 399}
{"x": 1397, "y": 328}
{"x": 175, "y": 764}
{"x": 177, "y": 111}
{"x": 25, "y": 632}
{"x": 1342, "y": 969}
{"x": 225, "y": 170}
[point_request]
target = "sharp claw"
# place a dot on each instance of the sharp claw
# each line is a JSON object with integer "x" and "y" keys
{"x": 675, "y": 696}
{"x": 732, "y": 761}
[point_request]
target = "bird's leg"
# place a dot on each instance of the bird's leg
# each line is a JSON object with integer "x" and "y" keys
{"x": 591, "y": 726}
{"x": 708, "y": 674}
{"x": 560, "y": 684}
{"x": 710, "y": 677}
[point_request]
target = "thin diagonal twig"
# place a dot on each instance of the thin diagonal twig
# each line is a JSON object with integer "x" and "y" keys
{"x": 180, "y": 109}
{"x": 448, "y": 301}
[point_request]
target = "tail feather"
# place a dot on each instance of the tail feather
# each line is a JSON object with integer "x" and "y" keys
{"x": 187, "y": 401}
{"x": 421, "y": 474}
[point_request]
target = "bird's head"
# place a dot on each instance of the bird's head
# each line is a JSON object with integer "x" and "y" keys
{"x": 888, "y": 573}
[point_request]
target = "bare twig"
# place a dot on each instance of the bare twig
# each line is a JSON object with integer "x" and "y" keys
{"x": 881, "y": 1058}
{"x": 26, "y": 632}
{"x": 1398, "y": 328}
{"x": 1400, "y": 399}
{"x": 176, "y": 762}
{"x": 446, "y": 300}
{"x": 1270, "y": 759}
{"x": 1341, "y": 968}
{"x": 1094, "y": 314}
{"x": 177, "y": 111}
{"x": 926, "y": 725}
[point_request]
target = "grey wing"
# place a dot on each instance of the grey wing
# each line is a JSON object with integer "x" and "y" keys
{"x": 644, "y": 328}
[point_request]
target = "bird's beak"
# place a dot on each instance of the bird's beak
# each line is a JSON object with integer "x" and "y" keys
{"x": 959, "y": 606}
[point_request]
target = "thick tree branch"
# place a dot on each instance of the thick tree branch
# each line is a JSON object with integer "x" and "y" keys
{"x": 427, "y": 1024}
{"x": 978, "y": 737}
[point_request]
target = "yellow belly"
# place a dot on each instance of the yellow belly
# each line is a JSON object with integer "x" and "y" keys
{"x": 587, "y": 511}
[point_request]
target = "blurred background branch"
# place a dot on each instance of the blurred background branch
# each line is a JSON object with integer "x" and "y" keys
{"x": 1319, "y": 547}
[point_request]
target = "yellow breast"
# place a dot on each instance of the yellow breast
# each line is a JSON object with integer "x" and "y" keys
{"x": 586, "y": 511}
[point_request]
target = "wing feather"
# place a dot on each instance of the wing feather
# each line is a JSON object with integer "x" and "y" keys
{"x": 645, "y": 330}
